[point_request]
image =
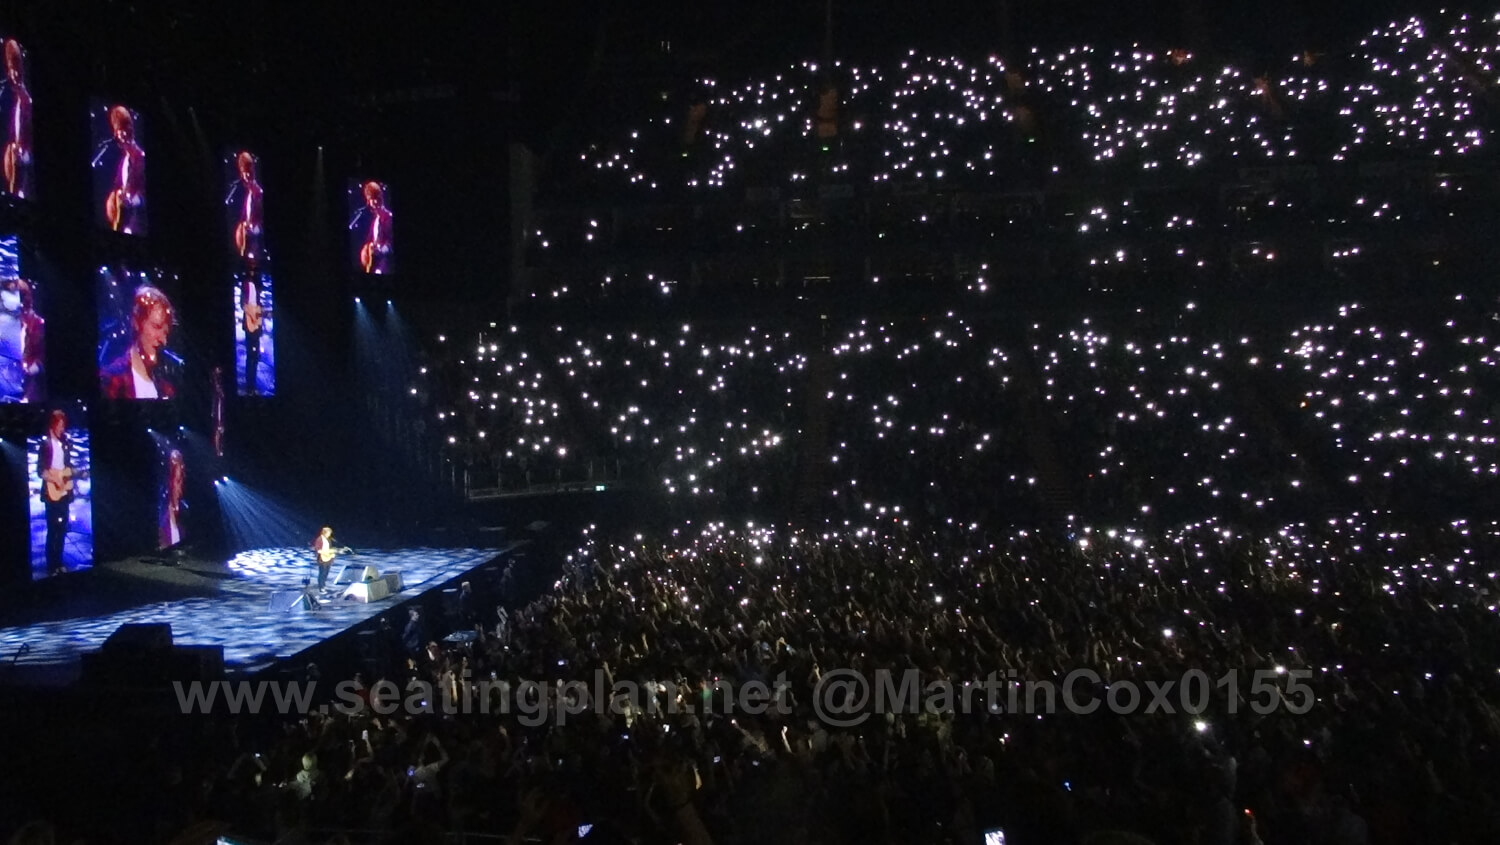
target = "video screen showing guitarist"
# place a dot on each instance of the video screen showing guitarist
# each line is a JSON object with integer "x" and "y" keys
{"x": 371, "y": 228}
{"x": 245, "y": 201}
{"x": 119, "y": 169}
{"x": 173, "y": 509}
{"x": 254, "y": 359}
{"x": 326, "y": 549}
{"x": 23, "y": 332}
{"x": 61, "y": 500}
{"x": 15, "y": 112}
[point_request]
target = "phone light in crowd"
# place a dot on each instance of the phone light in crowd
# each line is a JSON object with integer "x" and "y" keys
{"x": 1200, "y": 726}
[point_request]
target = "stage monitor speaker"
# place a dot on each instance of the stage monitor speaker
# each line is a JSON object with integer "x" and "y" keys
{"x": 393, "y": 581}
{"x": 197, "y": 663}
{"x": 150, "y": 668}
{"x": 140, "y": 636}
{"x": 289, "y": 601}
{"x": 370, "y": 574}
{"x": 366, "y": 591}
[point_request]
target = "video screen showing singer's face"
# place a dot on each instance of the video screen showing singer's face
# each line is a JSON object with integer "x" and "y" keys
{"x": 254, "y": 335}
{"x": 172, "y": 508}
{"x": 119, "y": 166}
{"x": 57, "y": 463}
{"x": 371, "y": 230}
{"x": 244, "y": 200}
{"x": 23, "y": 347}
{"x": 136, "y": 320}
{"x": 15, "y": 112}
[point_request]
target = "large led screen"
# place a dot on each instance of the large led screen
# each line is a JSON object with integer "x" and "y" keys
{"x": 119, "y": 166}
{"x": 15, "y": 111}
{"x": 61, "y": 527}
{"x": 254, "y": 335}
{"x": 136, "y": 322}
{"x": 172, "y": 521}
{"x": 372, "y": 243}
{"x": 23, "y": 332}
{"x": 244, "y": 202}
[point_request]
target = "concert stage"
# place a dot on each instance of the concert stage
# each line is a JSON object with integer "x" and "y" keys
{"x": 212, "y": 604}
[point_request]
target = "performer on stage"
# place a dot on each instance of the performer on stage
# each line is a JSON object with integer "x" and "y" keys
{"x": 169, "y": 531}
{"x": 17, "y": 112}
{"x": 55, "y": 467}
{"x": 375, "y": 253}
{"x": 326, "y": 549}
{"x": 246, "y": 195}
{"x": 252, "y": 323}
{"x": 126, "y": 201}
{"x": 138, "y": 373}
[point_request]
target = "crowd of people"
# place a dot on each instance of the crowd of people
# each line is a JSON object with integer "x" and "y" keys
{"x": 1413, "y": 87}
{"x": 1084, "y": 167}
{"x": 1352, "y": 666}
{"x": 538, "y": 409}
{"x": 1162, "y": 415}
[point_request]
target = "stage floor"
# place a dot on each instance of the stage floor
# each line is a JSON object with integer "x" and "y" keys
{"x": 222, "y": 604}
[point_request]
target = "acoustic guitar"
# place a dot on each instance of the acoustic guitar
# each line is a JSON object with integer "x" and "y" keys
{"x": 327, "y": 555}
{"x": 254, "y": 314}
{"x": 13, "y": 157}
{"x": 242, "y": 237}
{"x": 367, "y": 257}
{"x": 114, "y": 208}
{"x": 58, "y": 484}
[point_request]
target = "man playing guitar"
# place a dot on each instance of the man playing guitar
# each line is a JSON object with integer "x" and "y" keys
{"x": 375, "y": 252}
{"x": 323, "y": 546}
{"x": 247, "y": 195}
{"x": 253, "y": 326}
{"x": 17, "y": 101}
{"x": 54, "y": 465}
{"x": 123, "y": 205}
